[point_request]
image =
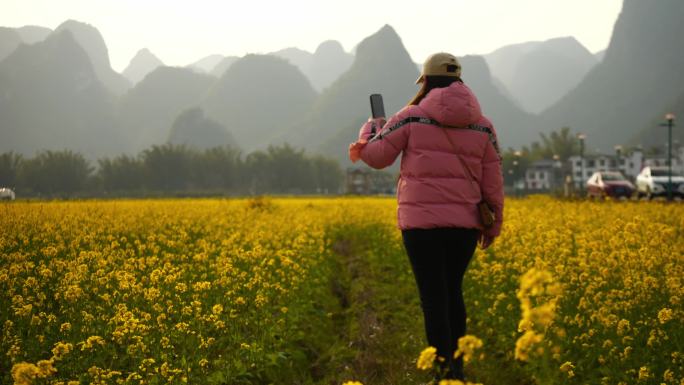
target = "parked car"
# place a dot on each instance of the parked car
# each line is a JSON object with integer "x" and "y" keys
{"x": 7, "y": 194}
{"x": 609, "y": 184}
{"x": 652, "y": 182}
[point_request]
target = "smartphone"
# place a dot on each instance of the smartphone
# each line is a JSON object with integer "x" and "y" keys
{"x": 377, "y": 107}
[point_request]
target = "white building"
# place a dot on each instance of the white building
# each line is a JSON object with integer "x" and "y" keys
{"x": 630, "y": 164}
{"x": 543, "y": 175}
{"x": 661, "y": 161}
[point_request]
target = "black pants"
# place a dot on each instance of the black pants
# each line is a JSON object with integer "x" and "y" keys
{"x": 439, "y": 258}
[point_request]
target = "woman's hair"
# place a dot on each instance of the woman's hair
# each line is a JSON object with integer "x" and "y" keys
{"x": 432, "y": 82}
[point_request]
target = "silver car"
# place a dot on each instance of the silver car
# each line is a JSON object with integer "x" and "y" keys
{"x": 652, "y": 182}
{"x": 6, "y": 194}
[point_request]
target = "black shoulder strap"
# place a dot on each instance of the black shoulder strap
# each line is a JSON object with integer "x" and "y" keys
{"x": 401, "y": 123}
{"x": 423, "y": 120}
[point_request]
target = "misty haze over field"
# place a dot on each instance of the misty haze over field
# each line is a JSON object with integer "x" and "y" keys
{"x": 58, "y": 90}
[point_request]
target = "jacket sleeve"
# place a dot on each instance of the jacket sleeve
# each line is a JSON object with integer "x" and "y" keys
{"x": 492, "y": 183}
{"x": 382, "y": 149}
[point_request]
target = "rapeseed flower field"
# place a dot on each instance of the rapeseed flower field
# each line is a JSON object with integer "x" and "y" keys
{"x": 307, "y": 291}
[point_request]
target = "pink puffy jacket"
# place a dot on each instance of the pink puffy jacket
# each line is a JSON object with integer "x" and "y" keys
{"x": 433, "y": 189}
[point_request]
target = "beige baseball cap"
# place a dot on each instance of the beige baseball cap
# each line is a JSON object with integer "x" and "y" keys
{"x": 436, "y": 64}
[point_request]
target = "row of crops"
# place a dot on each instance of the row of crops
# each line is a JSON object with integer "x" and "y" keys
{"x": 319, "y": 291}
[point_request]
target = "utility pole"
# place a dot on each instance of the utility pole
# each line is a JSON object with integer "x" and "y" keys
{"x": 516, "y": 165}
{"x": 618, "y": 153}
{"x": 670, "y": 123}
{"x": 581, "y": 138}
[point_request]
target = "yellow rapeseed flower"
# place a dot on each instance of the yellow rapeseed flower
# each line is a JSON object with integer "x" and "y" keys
{"x": 568, "y": 367}
{"x": 61, "y": 349}
{"x": 467, "y": 346}
{"x": 46, "y": 368}
{"x": 24, "y": 373}
{"x": 451, "y": 382}
{"x": 623, "y": 327}
{"x": 427, "y": 358}
{"x": 91, "y": 342}
{"x": 525, "y": 343}
{"x": 664, "y": 315}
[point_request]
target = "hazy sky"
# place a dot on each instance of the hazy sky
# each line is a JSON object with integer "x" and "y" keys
{"x": 181, "y": 32}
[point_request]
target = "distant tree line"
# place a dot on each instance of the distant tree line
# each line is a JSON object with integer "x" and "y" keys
{"x": 172, "y": 170}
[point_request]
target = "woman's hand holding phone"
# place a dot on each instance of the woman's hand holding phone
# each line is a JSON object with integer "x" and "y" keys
{"x": 368, "y": 131}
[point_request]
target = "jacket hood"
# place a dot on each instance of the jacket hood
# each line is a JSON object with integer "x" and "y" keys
{"x": 455, "y": 105}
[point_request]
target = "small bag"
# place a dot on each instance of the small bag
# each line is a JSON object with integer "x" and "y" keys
{"x": 487, "y": 215}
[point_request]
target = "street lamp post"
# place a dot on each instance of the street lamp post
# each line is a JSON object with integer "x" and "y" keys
{"x": 670, "y": 123}
{"x": 516, "y": 164}
{"x": 618, "y": 154}
{"x": 556, "y": 172}
{"x": 581, "y": 138}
